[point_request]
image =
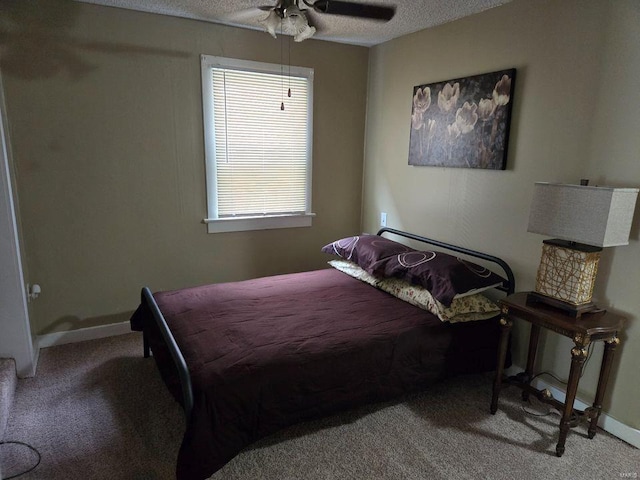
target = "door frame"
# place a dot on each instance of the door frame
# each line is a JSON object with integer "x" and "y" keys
{"x": 15, "y": 339}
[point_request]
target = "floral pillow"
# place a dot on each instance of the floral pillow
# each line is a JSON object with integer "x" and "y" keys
{"x": 465, "y": 309}
{"x": 354, "y": 271}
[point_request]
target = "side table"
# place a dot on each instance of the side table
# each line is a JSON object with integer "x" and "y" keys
{"x": 588, "y": 328}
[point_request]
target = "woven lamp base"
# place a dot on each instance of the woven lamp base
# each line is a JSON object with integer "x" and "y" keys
{"x": 566, "y": 275}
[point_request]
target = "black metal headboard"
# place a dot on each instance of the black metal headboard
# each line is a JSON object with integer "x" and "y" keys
{"x": 508, "y": 286}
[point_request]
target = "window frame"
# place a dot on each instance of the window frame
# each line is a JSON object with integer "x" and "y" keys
{"x": 214, "y": 223}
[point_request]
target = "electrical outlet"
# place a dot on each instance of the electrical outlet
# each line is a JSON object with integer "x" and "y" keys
{"x": 383, "y": 219}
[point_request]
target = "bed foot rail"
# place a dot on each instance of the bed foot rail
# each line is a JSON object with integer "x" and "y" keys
{"x": 174, "y": 350}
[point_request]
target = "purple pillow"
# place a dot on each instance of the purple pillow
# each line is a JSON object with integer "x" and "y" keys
{"x": 444, "y": 275}
{"x": 366, "y": 250}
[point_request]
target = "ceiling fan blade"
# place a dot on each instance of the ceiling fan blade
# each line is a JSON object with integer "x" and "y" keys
{"x": 353, "y": 9}
{"x": 248, "y": 15}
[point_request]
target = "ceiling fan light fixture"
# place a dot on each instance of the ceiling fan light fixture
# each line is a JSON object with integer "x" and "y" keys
{"x": 296, "y": 24}
{"x": 271, "y": 23}
{"x": 292, "y": 11}
{"x": 306, "y": 32}
{"x": 291, "y": 21}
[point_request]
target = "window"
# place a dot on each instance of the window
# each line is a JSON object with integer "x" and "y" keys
{"x": 258, "y": 156}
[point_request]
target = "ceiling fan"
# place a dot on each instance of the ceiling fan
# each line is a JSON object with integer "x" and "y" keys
{"x": 291, "y": 16}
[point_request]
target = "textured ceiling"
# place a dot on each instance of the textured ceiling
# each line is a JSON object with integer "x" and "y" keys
{"x": 411, "y": 16}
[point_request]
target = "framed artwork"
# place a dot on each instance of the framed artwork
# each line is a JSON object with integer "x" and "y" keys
{"x": 462, "y": 122}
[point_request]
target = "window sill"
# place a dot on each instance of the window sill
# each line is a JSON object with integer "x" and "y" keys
{"x": 244, "y": 224}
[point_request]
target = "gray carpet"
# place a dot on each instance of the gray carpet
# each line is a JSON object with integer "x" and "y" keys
{"x": 8, "y": 383}
{"x": 97, "y": 410}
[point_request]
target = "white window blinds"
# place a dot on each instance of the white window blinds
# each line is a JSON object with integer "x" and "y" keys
{"x": 261, "y": 152}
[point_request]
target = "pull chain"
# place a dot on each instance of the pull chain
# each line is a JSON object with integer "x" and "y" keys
{"x": 281, "y": 66}
{"x": 289, "y": 45}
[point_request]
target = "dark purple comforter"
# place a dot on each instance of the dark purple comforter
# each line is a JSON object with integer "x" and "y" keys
{"x": 268, "y": 353}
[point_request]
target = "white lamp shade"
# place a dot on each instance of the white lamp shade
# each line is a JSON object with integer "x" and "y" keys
{"x": 598, "y": 216}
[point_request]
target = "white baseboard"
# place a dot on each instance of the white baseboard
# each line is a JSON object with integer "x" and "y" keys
{"x": 83, "y": 334}
{"x": 606, "y": 421}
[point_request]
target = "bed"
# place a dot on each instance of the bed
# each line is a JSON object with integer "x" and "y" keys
{"x": 245, "y": 359}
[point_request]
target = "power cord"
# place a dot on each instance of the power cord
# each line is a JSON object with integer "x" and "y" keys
{"x": 534, "y": 414}
{"x": 584, "y": 365}
{"x": 33, "y": 449}
{"x": 590, "y": 351}
{"x": 564, "y": 382}
{"x": 549, "y": 374}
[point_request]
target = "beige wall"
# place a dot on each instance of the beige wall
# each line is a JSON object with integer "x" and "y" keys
{"x": 105, "y": 120}
{"x": 575, "y": 116}
{"x": 614, "y": 159}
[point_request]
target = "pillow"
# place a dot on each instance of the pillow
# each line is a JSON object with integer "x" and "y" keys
{"x": 365, "y": 250}
{"x": 469, "y": 308}
{"x": 354, "y": 271}
{"x": 444, "y": 275}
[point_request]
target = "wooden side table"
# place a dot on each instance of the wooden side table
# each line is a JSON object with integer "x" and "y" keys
{"x": 588, "y": 328}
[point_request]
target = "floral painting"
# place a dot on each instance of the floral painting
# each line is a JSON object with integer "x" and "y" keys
{"x": 463, "y": 122}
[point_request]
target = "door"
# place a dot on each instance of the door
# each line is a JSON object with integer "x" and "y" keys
{"x": 15, "y": 330}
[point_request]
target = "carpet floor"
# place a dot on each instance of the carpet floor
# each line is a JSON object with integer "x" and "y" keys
{"x": 98, "y": 410}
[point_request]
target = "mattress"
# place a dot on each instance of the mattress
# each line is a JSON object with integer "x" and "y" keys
{"x": 267, "y": 353}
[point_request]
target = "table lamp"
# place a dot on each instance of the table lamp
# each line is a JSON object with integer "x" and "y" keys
{"x": 583, "y": 219}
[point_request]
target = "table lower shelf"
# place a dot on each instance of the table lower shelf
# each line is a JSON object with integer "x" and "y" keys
{"x": 523, "y": 381}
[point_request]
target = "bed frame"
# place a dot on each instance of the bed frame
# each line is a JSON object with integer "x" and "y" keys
{"x": 178, "y": 359}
